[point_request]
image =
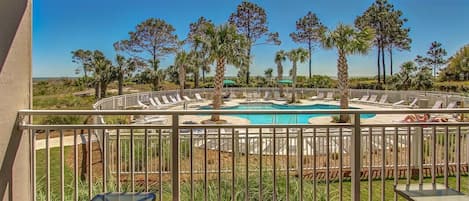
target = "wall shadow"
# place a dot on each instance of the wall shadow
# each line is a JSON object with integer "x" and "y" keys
{"x": 6, "y": 170}
{"x": 11, "y": 13}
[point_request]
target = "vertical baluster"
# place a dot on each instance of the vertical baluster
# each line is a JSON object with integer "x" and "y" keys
{"x": 328, "y": 165}
{"x": 146, "y": 147}
{"x": 300, "y": 143}
{"x": 234, "y": 149}
{"x": 32, "y": 134}
{"x": 314, "y": 166}
{"x": 408, "y": 155}
{"x": 458, "y": 158}
{"x": 118, "y": 165}
{"x": 62, "y": 178}
{"x": 90, "y": 165}
{"x": 104, "y": 158}
{"x": 205, "y": 166}
{"x": 288, "y": 165}
{"x": 370, "y": 167}
{"x": 160, "y": 163}
{"x": 341, "y": 195}
{"x": 446, "y": 156}
{"x": 274, "y": 162}
{"x": 433, "y": 139}
{"x": 191, "y": 165}
{"x": 48, "y": 189}
{"x": 421, "y": 156}
{"x": 260, "y": 164}
{"x": 219, "y": 164}
{"x": 246, "y": 153}
{"x": 132, "y": 160}
{"x": 395, "y": 151}
{"x": 383, "y": 163}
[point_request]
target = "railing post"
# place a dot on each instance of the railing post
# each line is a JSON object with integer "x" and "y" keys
{"x": 356, "y": 158}
{"x": 415, "y": 149}
{"x": 175, "y": 157}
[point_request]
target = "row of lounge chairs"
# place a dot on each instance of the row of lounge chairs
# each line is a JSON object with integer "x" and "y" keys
{"x": 155, "y": 102}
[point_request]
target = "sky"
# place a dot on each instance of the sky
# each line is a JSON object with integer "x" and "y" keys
{"x": 61, "y": 26}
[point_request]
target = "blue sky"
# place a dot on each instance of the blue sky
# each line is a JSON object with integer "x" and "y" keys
{"x": 61, "y": 26}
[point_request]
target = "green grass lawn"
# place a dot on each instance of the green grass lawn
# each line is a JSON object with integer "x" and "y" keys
{"x": 212, "y": 189}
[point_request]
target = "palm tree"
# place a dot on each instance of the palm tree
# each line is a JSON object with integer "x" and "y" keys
{"x": 268, "y": 75}
{"x": 347, "y": 40}
{"x": 295, "y": 56}
{"x": 125, "y": 67}
{"x": 280, "y": 57}
{"x": 182, "y": 63}
{"x": 224, "y": 46}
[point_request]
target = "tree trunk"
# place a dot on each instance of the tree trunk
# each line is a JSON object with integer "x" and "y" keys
{"x": 390, "y": 59}
{"x": 103, "y": 89}
{"x": 279, "y": 77}
{"x": 196, "y": 78}
{"x": 379, "y": 64}
{"x": 203, "y": 76}
{"x": 97, "y": 90}
{"x": 219, "y": 76}
{"x": 247, "y": 67}
{"x": 120, "y": 82}
{"x": 310, "y": 55}
{"x": 384, "y": 65}
{"x": 293, "y": 95}
{"x": 342, "y": 74}
{"x": 182, "y": 79}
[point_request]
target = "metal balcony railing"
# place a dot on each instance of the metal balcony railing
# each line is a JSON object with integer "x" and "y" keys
{"x": 243, "y": 162}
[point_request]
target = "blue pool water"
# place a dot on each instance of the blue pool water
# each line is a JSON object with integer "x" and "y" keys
{"x": 281, "y": 118}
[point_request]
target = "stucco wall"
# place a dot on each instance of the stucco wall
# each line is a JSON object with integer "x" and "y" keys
{"x": 15, "y": 94}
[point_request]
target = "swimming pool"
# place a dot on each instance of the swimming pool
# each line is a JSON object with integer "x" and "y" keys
{"x": 281, "y": 118}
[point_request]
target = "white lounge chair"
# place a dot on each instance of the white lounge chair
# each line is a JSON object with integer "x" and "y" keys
{"x": 142, "y": 105}
{"x": 266, "y": 96}
{"x": 173, "y": 100}
{"x": 414, "y": 103}
{"x": 152, "y": 120}
{"x": 372, "y": 99}
{"x": 330, "y": 96}
{"x": 451, "y": 105}
{"x": 178, "y": 98}
{"x": 198, "y": 97}
{"x": 159, "y": 104}
{"x": 383, "y": 99}
{"x": 438, "y": 105}
{"x": 318, "y": 97}
{"x": 153, "y": 103}
{"x": 362, "y": 99}
{"x": 186, "y": 98}
{"x": 411, "y": 105}
{"x": 165, "y": 100}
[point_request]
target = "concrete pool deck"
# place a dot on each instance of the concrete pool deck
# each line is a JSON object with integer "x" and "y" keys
{"x": 324, "y": 120}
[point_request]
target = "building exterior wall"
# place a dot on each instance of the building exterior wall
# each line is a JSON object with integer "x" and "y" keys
{"x": 15, "y": 94}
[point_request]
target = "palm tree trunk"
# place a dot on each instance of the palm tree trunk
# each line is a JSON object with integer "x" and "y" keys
{"x": 310, "y": 55}
{"x": 279, "y": 77}
{"x": 342, "y": 74}
{"x": 203, "y": 75}
{"x": 182, "y": 79}
{"x": 247, "y": 67}
{"x": 103, "y": 89}
{"x": 379, "y": 64}
{"x": 384, "y": 65}
{"x": 390, "y": 59}
{"x": 293, "y": 95}
{"x": 120, "y": 84}
{"x": 196, "y": 78}
{"x": 219, "y": 76}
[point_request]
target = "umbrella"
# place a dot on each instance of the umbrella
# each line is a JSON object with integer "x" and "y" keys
{"x": 285, "y": 81}
{"x": 229, "y": 82}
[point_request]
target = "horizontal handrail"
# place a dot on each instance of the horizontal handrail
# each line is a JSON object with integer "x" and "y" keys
{"x": 197, "y": 112}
